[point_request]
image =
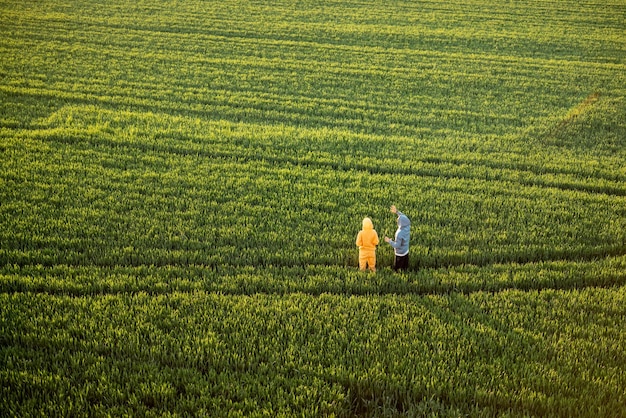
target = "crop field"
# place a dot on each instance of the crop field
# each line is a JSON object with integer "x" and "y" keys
{"x": 182, "y": 183}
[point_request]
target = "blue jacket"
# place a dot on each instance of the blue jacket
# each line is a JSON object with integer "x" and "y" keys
{"x": 401, "y": 242}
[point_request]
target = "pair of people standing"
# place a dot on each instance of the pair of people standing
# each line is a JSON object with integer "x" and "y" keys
{"x": 367, "y": 240}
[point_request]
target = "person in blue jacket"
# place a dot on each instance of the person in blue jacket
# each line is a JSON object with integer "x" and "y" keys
{"x": 401, "y": 241}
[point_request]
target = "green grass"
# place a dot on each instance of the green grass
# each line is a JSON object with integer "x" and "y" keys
{"x": 181, "y": 185}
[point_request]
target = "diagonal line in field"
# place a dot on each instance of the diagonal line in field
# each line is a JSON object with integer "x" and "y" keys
{"x": 575, "y": 113}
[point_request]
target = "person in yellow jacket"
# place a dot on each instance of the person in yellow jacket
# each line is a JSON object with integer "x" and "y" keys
{"x": 367, "y": 240}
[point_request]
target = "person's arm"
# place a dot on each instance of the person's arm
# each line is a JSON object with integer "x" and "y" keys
{"x": 388, "y": 240}
{"x": 394, "y": 244}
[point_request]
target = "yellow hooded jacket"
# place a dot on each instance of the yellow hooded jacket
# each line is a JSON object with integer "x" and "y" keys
{"x": 367, "y": 239}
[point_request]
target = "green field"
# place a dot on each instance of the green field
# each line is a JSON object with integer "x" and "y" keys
{"x": 182, "y": 183}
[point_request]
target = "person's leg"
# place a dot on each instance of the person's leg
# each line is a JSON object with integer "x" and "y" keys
{"x": 404, "y": 262}
{"x": 401, "y": 262}
{"x": 372, "y": 262}
{"x": 362, "y": 261}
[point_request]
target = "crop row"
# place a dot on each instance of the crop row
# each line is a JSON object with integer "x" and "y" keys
{"x": 110, "y": 194}
{"x": 141, "y": 132}
{"x": 73, "y": 280}
{"x": 359, "y": 87}
{"x": 205, "y": 353}
{"x": 457, "y": 27}
{"x": 134, "y": 219}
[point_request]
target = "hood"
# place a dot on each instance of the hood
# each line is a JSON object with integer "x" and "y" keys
{"x": 367, "y": 224}
{"x": 403, "y": 221}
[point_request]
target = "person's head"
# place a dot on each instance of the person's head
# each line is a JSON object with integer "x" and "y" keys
{"x": 403, "y": 221}
{"x": 367, "y": 223}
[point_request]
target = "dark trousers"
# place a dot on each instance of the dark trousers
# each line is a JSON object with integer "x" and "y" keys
{"x": 401, "y": 262}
